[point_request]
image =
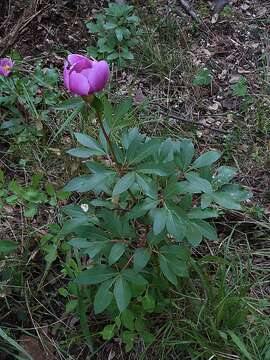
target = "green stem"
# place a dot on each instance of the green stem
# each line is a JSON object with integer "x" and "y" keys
{"x": 84, "y": 321}
{"x": 99, "y": 119}
{"x": 107, "y": 137}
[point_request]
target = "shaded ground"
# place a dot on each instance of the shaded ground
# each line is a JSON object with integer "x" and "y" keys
{"x": 161, "y": 81}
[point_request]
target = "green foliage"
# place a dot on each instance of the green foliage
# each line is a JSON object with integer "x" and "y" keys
{"x": 152, "y": 201}
{"x": 216, "y": 315}
{"x": 240, "y": 88}
{"x": 28, "y": 102}
{"x": 31, "y": 197}
{"x": 118, "y": 32}
{"x": 203, "y": 78}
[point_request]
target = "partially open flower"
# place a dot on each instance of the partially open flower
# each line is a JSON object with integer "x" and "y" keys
{"x": 6, "y": 65}
{"x": 83, "y": 76}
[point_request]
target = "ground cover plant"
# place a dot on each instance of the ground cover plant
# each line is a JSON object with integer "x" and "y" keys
{"x": 134, "y": 181}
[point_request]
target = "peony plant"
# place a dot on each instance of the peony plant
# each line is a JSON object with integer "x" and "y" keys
{"x": 147, "y": 202}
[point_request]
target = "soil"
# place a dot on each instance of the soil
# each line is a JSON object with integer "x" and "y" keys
{"x": 237, "y": 45}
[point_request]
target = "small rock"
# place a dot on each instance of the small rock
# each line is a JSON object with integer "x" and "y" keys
{"x": 234, "y": 79}
{"x": 244, "y": 7}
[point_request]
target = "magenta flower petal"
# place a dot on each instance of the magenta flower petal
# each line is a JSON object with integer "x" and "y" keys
{"x": 83, "y": 76}
{"x": 76, "y": 58}
{"x": 99, "y": 75}
{"x": 6, "y": 65}
{"x": 78, "y": 84}
{"x": 66, "y": 75}
{"x": 81, "y": 65}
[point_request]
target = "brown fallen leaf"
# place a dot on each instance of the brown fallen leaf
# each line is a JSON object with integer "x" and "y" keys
{"x": 35, "y": 349}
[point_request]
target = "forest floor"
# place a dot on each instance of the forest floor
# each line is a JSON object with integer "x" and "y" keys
{"x": 232, "y": 115}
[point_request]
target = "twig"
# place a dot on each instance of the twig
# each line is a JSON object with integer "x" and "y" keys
{"x": 178, "y": 117}
{"x": 189, "y": 11}
{"x": 21, "y": 25}
{"x": 219, "y": 6}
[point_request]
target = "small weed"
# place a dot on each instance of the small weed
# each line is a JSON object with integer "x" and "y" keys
{"x": 118, "y": 32}
{"x": 27, "y": 102}
{"x": 203, "y": 78}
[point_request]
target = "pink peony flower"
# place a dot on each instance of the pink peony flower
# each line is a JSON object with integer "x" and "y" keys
{"x": 6, "y": 65}
{"x": 83, "y": 76}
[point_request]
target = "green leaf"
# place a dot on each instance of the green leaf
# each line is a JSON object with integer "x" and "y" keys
{"x": 179, "y": 251}
{"x": 7, "y": 246}
{"x": 148, "y": 302}
{"x": 225, "y": 174}
{"x": 108, "y": 332}
{"x": 175, "y": 188}
{"x": 112, "y": 56}
{"x": 241, "y": 346}
{"x": 179, "y": 267}
{"x": 95, "y": 276}
{"x": 147, "y": 337}
{"x": 206, "y": 229}
{"x": 175, "y": 225}
{"x": 103, "y": 297}
{"x": 240, "y": 88}
{"x": 167, "y": 272}
{"x": 119, "y": 34}
{"x": 89, "y": 142}
{"x": 206, "y": 200}
{"x": 126, "y": 54}
{"x": 92, "y": 27}
{"x": 127, "y": 319}
{"x": 186, "y": 153}
{"x": 160, "y": 218}
{"x": 86, "y": 183}
{"x": 117, "y": 251}
{"x": 128, "y": 338}
{"x": 122, "y": 293}
{"x": 30, "y": 211}
{"x": 144, "y": 150}
{"x": 199, "y": 183}
{"x": 226, "y": 201}
{"x": 147, "y": 185}
{"x": 133, "y": 277}
{"x": 193, "y": 235}
{"x": 124, "y": 183}
{"x": 71, "y": 103}
{"x": 14, "y": 345}
{"x": 82, "y": 153}
{"x": 133, "y": 19}
{"x": 206, "y": 159}
{"x": 71, "y": 305}
{"x": 203, "y": 78}
{"x": 162, "y": 169}
{"x": 123, "y": 108}
{"x": 237, "y": 192}
{"x": 141, "y": 258}
{"x": 94, "y": 248}
{"x": 196, "y": 213}
{"x": 109, "y": 26}
{"x": 141, "y": 208}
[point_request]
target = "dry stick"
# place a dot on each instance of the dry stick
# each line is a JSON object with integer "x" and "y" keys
{"x": 189, "y": 11}
{"x": 178, "y": 117}
{"x": 219, "y": 6}
{"x": 17, "y": 30}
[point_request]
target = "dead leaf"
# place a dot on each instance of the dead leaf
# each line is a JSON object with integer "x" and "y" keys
{"x": 139, "y": 97}
{"x": 35, "y": 349}
{"x": 214, "y": 106}
{"x": 234, "y": 79}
